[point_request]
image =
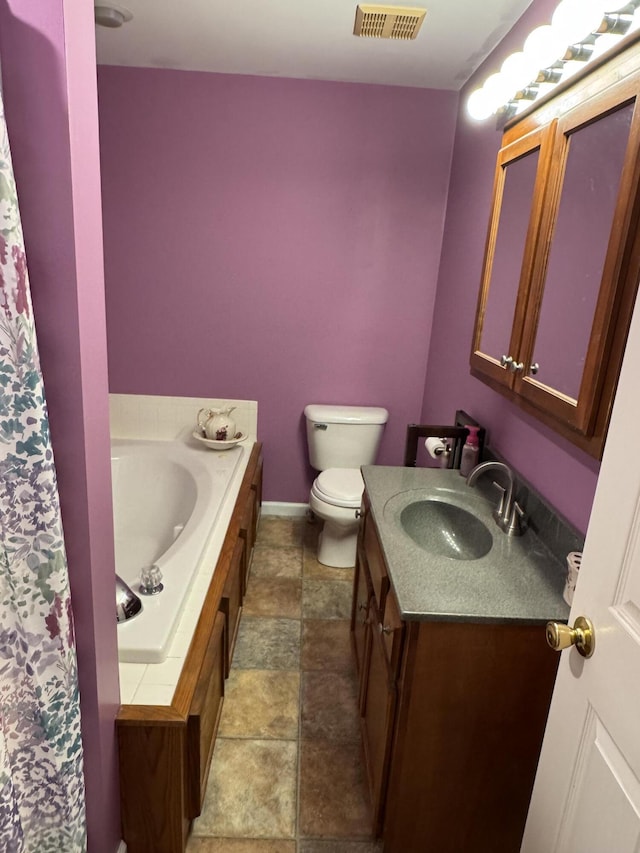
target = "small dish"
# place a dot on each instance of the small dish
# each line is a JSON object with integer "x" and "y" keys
{"x": 212, "y": 444}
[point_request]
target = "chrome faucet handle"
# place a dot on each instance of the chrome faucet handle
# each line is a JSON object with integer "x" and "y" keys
{"x": 502, "y": 508}
{"x": 517, "y": 522}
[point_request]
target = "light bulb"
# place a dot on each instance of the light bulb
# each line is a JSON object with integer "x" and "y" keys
{"x": 478, "y": 105}
{"x": 519, "y": 69}
{"x": 497, "y": 89}
{"x": 544, "y": 46}
{"x": 574, "y": 20}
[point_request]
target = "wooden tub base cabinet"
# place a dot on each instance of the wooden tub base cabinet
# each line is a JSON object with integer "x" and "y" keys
{"x": 452, "y": 717}
{"x": 165, "y": 751}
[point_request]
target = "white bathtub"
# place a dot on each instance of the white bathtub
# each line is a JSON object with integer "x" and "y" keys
{"x": 172, "y": 504}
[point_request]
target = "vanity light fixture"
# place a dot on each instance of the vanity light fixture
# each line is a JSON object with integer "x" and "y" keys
{"x": 111, "y": 16}
{"x": 580, "y": 30}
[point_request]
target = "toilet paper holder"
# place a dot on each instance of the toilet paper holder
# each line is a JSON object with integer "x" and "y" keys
{"x": 454, "y": 435}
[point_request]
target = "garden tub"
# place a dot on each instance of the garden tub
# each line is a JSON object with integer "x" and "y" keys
{"x": 172, "y": 501}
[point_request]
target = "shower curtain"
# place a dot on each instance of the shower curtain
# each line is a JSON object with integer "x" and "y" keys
{"x": 41, "y": 772}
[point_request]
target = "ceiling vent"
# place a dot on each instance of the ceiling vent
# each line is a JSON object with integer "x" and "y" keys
{"x": 388, "y": 22}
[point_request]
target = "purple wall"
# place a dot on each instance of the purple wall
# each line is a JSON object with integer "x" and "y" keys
{"x": 48, "y": 69}
{"x": 564, "y": 475}
{"x": 275, "y": 240}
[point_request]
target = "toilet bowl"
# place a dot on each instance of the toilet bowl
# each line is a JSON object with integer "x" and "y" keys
{"x": 340, "y": 439}
{"x": 335, "y": 498}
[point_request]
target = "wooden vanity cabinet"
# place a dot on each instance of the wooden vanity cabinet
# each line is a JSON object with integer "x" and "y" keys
{"x": 362, "y": 601}
{"x": 452, "y": 719}
{"x": 377, "y": 639}
{"x": 165, "y": 751}
{"x": 562, "y": 258}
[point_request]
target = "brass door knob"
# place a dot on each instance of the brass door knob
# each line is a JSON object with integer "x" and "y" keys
{"x": 581, "y": 636}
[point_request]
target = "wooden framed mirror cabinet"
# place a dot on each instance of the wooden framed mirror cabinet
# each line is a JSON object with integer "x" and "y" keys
{"x": 562, "y": 257}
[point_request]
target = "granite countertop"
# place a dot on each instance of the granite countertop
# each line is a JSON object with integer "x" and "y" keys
{"x": 518, "y": 580}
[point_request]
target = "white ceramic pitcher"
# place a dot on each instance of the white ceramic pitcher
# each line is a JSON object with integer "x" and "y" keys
{"x": 217, "y": 423}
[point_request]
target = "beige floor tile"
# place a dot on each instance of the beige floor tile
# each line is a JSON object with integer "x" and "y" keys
{"x": 242, "y": 845}
{"x": 251, "y": 802}
{"x": 329, "y": 706}
{"x": 271, "y": 562}
{"x": 273, "y": 597}
{"x": 326, "y": 645}
{"x": 334, "y": 801}
{"x": 326, "y": 599}
{"x": 265, "y": 643}
{"x": 251, "y": 791}
{"x": 260, "y": 704}
{"x": 281, "y": 531}
{"x": 310, "y": 535}
{"x": 314, "y": 570}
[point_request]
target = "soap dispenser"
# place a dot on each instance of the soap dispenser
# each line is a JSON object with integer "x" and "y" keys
{"x": 470, "y": 452}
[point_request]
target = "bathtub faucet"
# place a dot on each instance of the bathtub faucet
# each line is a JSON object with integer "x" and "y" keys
{"x": 151, "y": 580}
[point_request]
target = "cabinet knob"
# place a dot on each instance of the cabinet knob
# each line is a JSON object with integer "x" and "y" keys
{"x": 506, "y": 360}
{"x": 518, "y": 367}
{"x": 384, "y": 629}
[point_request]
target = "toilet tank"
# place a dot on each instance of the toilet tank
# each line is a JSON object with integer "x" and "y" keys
{"x": 343, "y": 436}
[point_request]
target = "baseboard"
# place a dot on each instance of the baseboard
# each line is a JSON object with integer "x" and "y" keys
{"x": 282, "y": 508}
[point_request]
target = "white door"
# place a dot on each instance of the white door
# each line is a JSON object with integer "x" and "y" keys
{"x": 586, "y": 797}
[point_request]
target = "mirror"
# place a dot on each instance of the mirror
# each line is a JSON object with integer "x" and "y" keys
{"x": 579, "y": 244}
{"x": 518, "y": 182}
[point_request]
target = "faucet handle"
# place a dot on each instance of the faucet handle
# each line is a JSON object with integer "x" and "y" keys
{"x": 151, "y": 580}
{"x": 500, "y": 512}
{"x": 517, "y": 522}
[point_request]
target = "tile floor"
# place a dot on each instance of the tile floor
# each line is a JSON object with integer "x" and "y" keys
{"x": 287, "y": 774}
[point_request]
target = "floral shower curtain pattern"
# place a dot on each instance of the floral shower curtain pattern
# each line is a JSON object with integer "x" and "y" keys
{"x": 41, "y": 772}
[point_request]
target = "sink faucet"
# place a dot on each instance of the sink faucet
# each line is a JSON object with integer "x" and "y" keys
{"x": 509, "y": 515}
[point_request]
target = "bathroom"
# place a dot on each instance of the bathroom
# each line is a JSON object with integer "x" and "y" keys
{"x": 307, "y": 248}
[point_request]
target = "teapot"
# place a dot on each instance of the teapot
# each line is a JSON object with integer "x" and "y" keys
{"x": 216, "y": 424}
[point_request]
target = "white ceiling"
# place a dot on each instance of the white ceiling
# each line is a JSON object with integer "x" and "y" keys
{"x": 307, "y": 39}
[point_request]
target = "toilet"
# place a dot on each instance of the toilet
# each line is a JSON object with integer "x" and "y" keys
{"x": 340, "y": 440}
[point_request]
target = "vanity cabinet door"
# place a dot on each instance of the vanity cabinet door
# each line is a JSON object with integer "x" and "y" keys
{"x": 378, "y": 705}
{"x": 375, "y": 564}
{"x": 377, "y": 634}
{"x": 571, "y": 313}
{"x": 362, "y": 600}
{"x": 518, "y": 195}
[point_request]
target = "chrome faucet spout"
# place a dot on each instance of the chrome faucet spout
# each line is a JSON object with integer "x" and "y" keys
{"x": 504, "y": 513}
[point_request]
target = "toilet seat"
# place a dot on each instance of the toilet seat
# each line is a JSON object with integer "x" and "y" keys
{"x": 339, "y": 486}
